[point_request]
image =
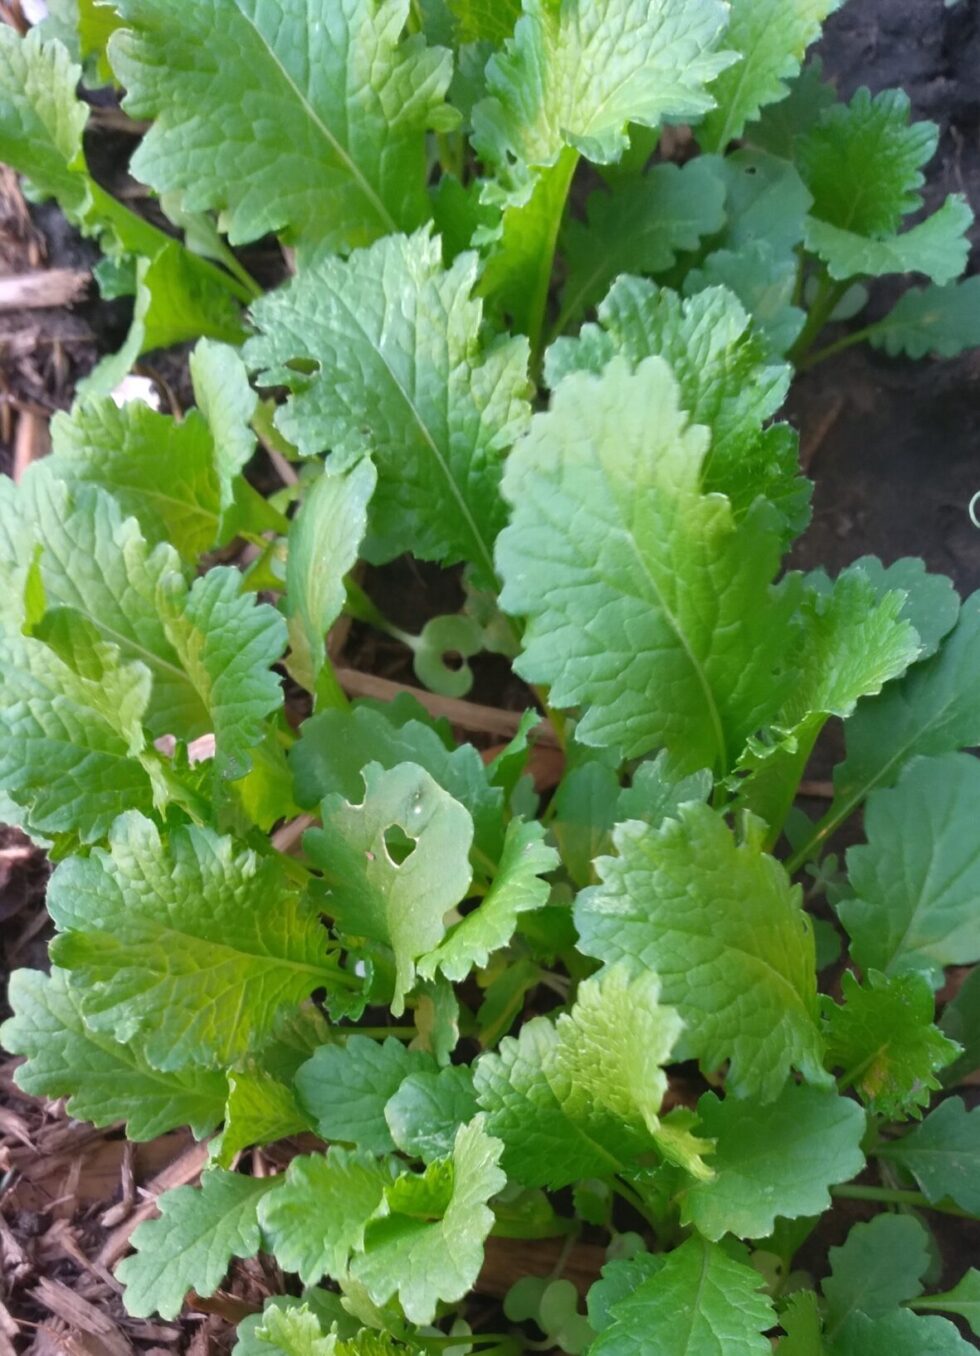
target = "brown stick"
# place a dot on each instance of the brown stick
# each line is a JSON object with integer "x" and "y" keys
{"x": 46, "y": 287}
{"x": 30, "y": 442}
{"x": 179, "y": 1173}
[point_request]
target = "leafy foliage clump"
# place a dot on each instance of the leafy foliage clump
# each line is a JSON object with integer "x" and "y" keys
{"x": 618, "y": 1010}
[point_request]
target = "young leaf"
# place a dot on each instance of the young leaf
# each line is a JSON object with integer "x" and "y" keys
{"x": 259, "y": 1110}
{"x": 727, "y": 381}
{"x": 880, "y": 1266}
{"x": 517, "y": 887}
{"x": 916, "y": 879}
{"x": 634, "y": 581}
{"x": 963, "y": 1300}
{"x": 485, "y": 20}
{"x": 884, "y": 1039}
{"x": 771, "y": 38}
{"x": 323, "y": 544}
{"x": 700, "y": 1300}
{"x": 943, "y": 1154}
{"x": 345, "y": 1088}
{"x": 719, "y": 922}
{"x": 424, "y": 1259}
{"x": 780, "y": 1159}
{"x": 931, "y": 604}
{"x": 183, "y": 942}
{"x": 317, "y": 1217}
{"x": 327, "y": 109}
{"x": 401, "y": 372}
{"x": 800, "y": 1321}
{"x": 899, "y": 1333}
{"x": 942, "y": 321}
{"x": 639, "y": 228}
{"x": 937, "y": 247}
{"x": 400, "y": 903}
{"x": 427, "y": 1110}
{"x": 580, "y": 1098}
{"x": 190, "y": 1246}
{"x": 103, "y": 1080}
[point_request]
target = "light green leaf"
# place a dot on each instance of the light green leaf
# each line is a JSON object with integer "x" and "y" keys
{"x": 640, "y": 227}
{"x": 915, "y": 881}
{"x": 103, "y": 1080}
{"x": 931, "y": 320}
{"x": 293, "y": 1331}
{"x": 719, "y": 922}
{"x": 884, "y": 1039}
{"x": 963, "y": 1300}
{"x": 637, "y": 583}
{"x": 327, "y": 107}
{"x": 899, "y": 1333}
{"x": 318, "y": 1216}
{"x": 800, "y": 1321}
{"x": 485, "y": 20}
{"x": 371, "y": 894}
{"x": 401, "y": 372}
{"x": 260, "y": 1110}
{"x": 185, "y": 943}
{"x": 779, "y": 1159}
{"x": 727, "y": 380}
{"x": 422, "y": 1259}
{"x": 880, "y": 1266}
{"x": 931, "y": 604}
{"x": 517, "y": 887}
{"x": 323, "y": 545}
{"x": 427, "y": 1110}
{"x": 771, "y": 36}
{"x": 580, "y": 1098}
{"x": 345, "y": 1088}
{"x": 943, "y": 1154}
{"x": 701, "y": 1301}
{"x": 937, "y": 247}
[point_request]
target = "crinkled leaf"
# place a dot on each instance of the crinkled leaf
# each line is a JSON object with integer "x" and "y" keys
{"x": 915, "y": 881}
{"x": 518, "y": 886}
{"x": 580, "y": 1098}
{"x": 190, "y": 1246}
{"x": 427, "y": 1110}
{"x": 184, "y": 942}
{"x": 318, "y": 1216}
{"x": 701, "y": 1301}
{"x": 932, "y": 320}
{"x": 779, "y": 1159}
{"x": 719, "y": 922}
{"x": 884, "y": 1039}
{"x": 402, "y": 904}
{"x": 259, "y": 1110}
{"x": 943, "y": 1154}
{"x": 771, "y": 37}
{"x": 648, "y": 603}
{"x": 422, "y": 1259}
{"x": 879, "y": 1266}
{"x": 322, "y": 105}
{"x": 104, "y": 1081}
{"x": 345, "y": 1088}
{"x": 400, "y": 371}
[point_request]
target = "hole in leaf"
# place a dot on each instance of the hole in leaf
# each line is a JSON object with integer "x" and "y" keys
{"x": 453, "y": 660}
{"x": 398, "y": 845}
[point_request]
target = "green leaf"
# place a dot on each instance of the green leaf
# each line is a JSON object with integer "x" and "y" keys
{"x": 880, "y": 1266}
{"x": 371, "y": 894}
{"x": 293, "y": 1331}
{"x": 323, "y": 545}
{"x": 943, "y": 1154}
{"x": 176, "y": 477}
{"x": 719, "y": 922}
{"x": 916, "y": 879}
{"x": 517, "y": 887}
{"x": 640, "y": 227}
{"x": 781, "y": 125}
{"x": 103, "y": 1080}
{"x": 260, "y": 1110}
{"x": 401, "y": 372}
{"x": 765, "y": 284}
{"x": 800, "y": 1321}
{"x": 580, "y": 1097}
{"x": 963, "y": 1300}
{"x": 961, "y": 1022}
{"x": 318, "y": 1216}
{"x": 185, "y": 943}
{"x": 485, "y": 20}
{"x": 899, "y": 1333}
{"x": 575, "y": 75}
{"x": 766, "y": 200}
{"x": 634, "y": 581}
{"x": 884, "y": 1039}
{"x": 701, "y": 1301}
{"x": 423, "y": 1259}
{"x": 425, "y": 1113}
{"x": 345, "y": 1088}
{"x": 931, "y": 604}
{"x": 779, "y": 1159}
{"x": 328, "y": 109}
{"x": 937, "y": 247}
{"x": 191, "y": 1245}
{"x": 942, "y": 321}
{"x": 771, "y": 37}
{"x": 727, "y": 381}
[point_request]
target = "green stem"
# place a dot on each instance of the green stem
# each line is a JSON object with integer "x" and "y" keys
{"x": 329, "y": 695}
{"x": 554, "y": 188}
{"x": 828, "y": 295}
{"x": 632, "y": 1198}
{"x": 838, "y": 346}
{"x": 897, "y": 1196}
